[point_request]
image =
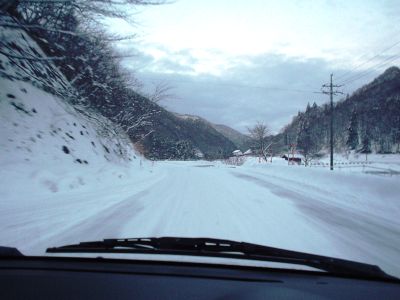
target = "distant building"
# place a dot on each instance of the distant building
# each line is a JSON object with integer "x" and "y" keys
{"x": 237, "y": 153}
{"x": 198, "y": 153}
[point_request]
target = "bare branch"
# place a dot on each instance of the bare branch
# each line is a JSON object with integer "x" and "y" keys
{"x": 34, "y": 58}
{"x": 19, "y": 25}
{"x": 161, "y": 92}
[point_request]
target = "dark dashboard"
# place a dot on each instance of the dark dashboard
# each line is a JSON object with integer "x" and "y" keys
{"x": 99, "y": 278}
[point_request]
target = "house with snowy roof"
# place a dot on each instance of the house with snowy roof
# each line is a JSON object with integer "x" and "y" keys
{"x": 237, "y": 153}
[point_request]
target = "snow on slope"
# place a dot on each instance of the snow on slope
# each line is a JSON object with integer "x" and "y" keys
{"x": 46, "y": 142}
{"x": 47, "y": 146}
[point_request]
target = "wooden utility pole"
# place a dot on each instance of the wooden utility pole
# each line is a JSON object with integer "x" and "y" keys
{"x": 331, "y": 127}
{"x": 331, "y": 93}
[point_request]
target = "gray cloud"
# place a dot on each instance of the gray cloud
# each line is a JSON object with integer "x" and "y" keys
{"x": 269, "y": 88}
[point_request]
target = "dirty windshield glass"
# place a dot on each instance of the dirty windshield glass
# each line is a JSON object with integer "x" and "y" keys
{"x": 270, "y": 122}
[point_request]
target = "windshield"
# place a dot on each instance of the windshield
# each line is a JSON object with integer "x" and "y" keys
{"x": 269, "y": 122}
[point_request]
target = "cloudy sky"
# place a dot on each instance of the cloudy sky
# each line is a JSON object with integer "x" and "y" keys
{"x": 238, "y": 62}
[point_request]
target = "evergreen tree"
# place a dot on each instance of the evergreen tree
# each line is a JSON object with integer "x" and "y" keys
{"x": 352, "y": 131}
{"x": 315, "y": 106}
{"x": 308, "y": 107}
{"x": 366, "y": 143}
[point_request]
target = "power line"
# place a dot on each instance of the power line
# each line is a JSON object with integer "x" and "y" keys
{"x": 242, "y": 85}
{"x": 365, "y": 62}
{"x": 370, "y": 72}
{"x": 370, "y": 69}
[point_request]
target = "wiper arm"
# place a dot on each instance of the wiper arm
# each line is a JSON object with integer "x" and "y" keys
{"x": 225, "y": 249}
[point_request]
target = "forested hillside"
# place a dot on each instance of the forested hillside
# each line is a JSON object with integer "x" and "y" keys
{"x": 367, "y": 121}
{"x": 71, "y": 36}
{"x": 184, "y": 138}
{"x": 241, "y": 141}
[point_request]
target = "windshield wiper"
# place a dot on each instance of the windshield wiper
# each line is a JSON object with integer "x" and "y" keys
{"x": 225, "y": 249}
{"x": 9, "y": 252}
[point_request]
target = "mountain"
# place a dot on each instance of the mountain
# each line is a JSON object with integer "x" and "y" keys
{"x": 241, "y": 141}
{"x": 177, "y": 136}
{"x": 366, "y": 121}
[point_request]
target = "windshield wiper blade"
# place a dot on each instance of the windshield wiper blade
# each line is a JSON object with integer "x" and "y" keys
{"x": 224, "y": 249}
{"x": 9, "y": 252}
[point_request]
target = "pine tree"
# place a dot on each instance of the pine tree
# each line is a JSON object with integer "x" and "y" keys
{"x": 352, "y": 130}
{"x": 308, "y": 107}
{"x": 315, "y": 106}
{"x": 366, "y": 143}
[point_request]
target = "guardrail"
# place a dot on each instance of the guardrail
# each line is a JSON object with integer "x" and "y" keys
{"x": 369, "y": 169}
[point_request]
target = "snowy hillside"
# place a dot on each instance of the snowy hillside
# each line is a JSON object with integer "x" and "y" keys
{"x": 46, "y": 144}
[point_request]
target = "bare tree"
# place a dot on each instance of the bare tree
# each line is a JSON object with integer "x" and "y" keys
{"x": 259, "y": 133}
{"x": 161, "y": 91}
{"x": 307, "y": 141}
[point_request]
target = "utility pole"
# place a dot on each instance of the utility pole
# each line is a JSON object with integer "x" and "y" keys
{"x": 331, "y": 93}
{"x": 331, "y": 127}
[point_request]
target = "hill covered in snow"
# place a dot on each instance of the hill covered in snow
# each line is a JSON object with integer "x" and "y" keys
{"x": 49, "y": 145}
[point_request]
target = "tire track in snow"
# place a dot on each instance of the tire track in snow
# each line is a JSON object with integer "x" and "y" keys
{"x": 191, "y": 206}
{"x": 375, "y": 237}
{"x": 107, "y": 223}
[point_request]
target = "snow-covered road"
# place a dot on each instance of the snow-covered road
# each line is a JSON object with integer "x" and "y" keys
{"x": 342, "y": 215}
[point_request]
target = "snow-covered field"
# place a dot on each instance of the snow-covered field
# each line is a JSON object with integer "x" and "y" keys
{"x": 375, "y": 163}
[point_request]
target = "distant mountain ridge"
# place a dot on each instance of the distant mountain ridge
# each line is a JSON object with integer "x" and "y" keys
{"x": 241, "y": 141}
{"x": 176, "y": 136}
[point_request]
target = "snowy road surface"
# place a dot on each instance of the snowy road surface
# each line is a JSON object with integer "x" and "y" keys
{"x": 336, "y": 214}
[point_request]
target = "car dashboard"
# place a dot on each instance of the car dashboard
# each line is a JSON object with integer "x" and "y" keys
{"x": 100, "y": 278}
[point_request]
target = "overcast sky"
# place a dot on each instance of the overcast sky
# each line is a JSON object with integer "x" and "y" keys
{"x": 238, "y": 62}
